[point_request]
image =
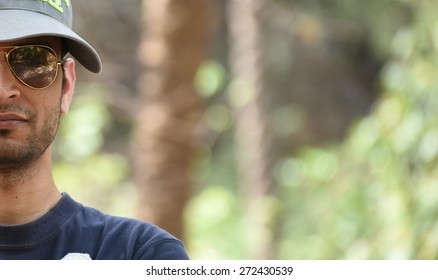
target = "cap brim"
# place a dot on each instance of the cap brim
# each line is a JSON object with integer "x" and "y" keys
{"x": 19, "y": 24}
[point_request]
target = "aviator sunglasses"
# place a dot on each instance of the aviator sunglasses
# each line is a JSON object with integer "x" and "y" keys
{"x": 36, "y": 66}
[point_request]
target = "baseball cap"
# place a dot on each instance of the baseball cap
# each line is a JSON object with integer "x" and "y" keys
{"x": 20, "y": 19}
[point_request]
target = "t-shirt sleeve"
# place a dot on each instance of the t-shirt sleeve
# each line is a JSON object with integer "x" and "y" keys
{"x": 171, "y": 249}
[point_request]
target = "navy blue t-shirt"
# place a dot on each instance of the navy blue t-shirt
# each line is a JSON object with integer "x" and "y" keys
{"x": 71, "y": 228}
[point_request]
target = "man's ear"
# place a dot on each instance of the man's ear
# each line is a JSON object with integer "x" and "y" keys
{"x": 68, "y": 85}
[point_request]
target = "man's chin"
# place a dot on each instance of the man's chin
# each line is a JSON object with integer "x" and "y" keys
{"x": 12, "y": 154}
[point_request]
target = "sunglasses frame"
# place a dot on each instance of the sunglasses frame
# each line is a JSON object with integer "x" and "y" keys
{"x": 59, "y": 62}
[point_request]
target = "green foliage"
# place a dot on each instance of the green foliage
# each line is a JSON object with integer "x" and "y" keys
{"x": 373, "y": 196}
{"x": 378, "y": 196}
{"x": 82, "y": 128}
{"x": 213, "y": 224}
{"x": 210, "y": 78}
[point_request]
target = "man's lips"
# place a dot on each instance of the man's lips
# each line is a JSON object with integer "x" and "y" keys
{"x": 8, "y": 120}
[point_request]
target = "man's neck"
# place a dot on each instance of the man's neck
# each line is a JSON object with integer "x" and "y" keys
{"x": 27, "y": 194}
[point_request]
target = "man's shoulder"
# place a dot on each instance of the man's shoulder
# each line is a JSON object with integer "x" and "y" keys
{"x": 143, "y": 240}
{"x": 113, "y": 224}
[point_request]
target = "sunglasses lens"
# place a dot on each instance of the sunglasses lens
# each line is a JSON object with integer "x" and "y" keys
{"x": 35, "y": 66}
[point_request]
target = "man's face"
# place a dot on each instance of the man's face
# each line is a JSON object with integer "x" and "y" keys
{"x": 28, "y": 117}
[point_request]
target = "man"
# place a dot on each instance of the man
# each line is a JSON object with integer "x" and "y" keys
{"x": 36, "y": 88}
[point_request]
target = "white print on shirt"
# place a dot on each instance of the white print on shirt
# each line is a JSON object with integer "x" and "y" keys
{"x": 76, "y": 257}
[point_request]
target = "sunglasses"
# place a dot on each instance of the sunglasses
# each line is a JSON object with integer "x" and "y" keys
{"x": 36, "y": 66}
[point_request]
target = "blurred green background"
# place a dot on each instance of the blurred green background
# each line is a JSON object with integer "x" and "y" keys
{"x": 341, "y": 161}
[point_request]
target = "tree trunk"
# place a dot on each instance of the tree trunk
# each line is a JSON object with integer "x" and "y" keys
{"x": 253, "y": 140}
{"x": 173, "y": 44}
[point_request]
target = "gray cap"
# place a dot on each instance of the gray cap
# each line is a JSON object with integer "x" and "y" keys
{"x": 21, "y": 19}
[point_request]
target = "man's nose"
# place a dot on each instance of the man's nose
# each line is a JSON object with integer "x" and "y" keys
{"x": 8, "y": 89}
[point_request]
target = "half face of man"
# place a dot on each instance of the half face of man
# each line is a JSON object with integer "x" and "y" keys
{"x": 29, "y": 118}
